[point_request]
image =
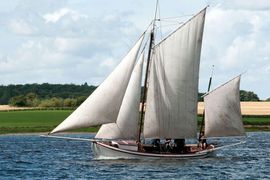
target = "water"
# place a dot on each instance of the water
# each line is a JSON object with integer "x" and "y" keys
{"x": 34, "y": 157}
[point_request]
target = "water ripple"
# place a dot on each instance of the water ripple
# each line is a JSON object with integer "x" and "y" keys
{"x": 33, "y": 157}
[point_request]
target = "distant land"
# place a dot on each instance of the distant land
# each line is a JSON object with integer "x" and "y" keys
{"x": 40, "y": 107}
{"x": 44, "y": 120}
{"x": 64, "y": 95}
{"x": 45, "y": 91}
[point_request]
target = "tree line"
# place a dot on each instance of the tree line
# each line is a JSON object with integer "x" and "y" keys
{"x": 64, "y": 95}
{"x": 244, "y": 96}
{"x": 45, "y": 95}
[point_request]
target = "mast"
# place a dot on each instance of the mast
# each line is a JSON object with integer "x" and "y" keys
{"x": 151, "y": 42}
{"x": 202, "y": 123}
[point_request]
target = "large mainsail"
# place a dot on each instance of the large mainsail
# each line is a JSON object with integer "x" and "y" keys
{"x": 126, "y": 126}
{"x": 222, "y": 111}
{"x": 171, "y": 109}
{"x": 103, "y": 105}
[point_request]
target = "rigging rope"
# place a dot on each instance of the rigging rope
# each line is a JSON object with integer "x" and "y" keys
{"x": 178, "y": 17}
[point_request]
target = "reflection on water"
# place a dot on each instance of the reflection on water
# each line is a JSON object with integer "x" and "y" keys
{"x": 31, "y": 156}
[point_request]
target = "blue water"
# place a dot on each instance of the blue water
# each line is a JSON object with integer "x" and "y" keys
{"x": 34, "y": 157}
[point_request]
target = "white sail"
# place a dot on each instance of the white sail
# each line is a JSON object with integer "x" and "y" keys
{"x": 171, "y": 109}
{"x": 222, "y": 111}
{"x": 103, "y": 105}
{"x": 126, "y": 126}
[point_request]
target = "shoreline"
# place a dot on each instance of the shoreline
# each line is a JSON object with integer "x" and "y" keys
{"x": 248, "y": 128}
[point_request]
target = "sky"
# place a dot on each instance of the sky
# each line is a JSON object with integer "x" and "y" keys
{"x": 71, "y": 41}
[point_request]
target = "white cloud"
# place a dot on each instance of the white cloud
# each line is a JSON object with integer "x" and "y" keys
{"x": 74, "y": 42}
{"x": 237, "y": 53}
{"x": 28, "y": 44}
{"x": 234, "y": 34}
{"x": 247, "y": 4}
{"x": 64, "y": 44}
{"x": 57, "y": 15}
{"x": 19, "y": 26}
{"x": 65, "y": 58}
{"x": 235, "y": 41}
{"x": 110, "y": 62}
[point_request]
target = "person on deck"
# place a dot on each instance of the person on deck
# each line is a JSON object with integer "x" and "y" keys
{"x": 180, "y": 145}
{"x": 204, "y": 143}
{"x": 168, "y": 145}
{"x": 156, "y": 144}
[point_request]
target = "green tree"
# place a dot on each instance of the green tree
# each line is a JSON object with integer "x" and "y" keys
{"x": 45, "y": 91}
{"x": 19, "y": 101}
{"x": 31, "y": 99}
{"x": 57, "y": 102}
{"x": 53, "y": 102}
{"x": 70, "y": 102}
{"x": 80, "y": 100}
{"x": 45, "y": 103}
{"x": 248, "y": 96}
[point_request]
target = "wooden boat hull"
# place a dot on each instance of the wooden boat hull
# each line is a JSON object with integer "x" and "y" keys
{"x": 105, "y": 151}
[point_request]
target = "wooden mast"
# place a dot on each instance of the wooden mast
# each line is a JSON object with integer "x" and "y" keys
{"x": 151, "y": 42}
{"x": 202, "y": 123}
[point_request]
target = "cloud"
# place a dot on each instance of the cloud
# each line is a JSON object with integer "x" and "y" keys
{"x": 235, "y": 42}
{"x": 249, "y": 5}
{"x": 20, "y": 27}
{"x": 57, "y": 15}
{"x": 63, "y": 46}
{"x": 82, "y": 41}
{"x": 237, "y": 33}
{"x": 108, "y": 62}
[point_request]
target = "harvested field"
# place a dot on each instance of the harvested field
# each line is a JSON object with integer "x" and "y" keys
{"x": 255, "y": 108}
{"x": 10, "y": 108}
{"x": 248, "y": 108}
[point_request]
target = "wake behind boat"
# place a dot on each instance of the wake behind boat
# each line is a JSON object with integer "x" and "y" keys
{"x": 168, "y": 114}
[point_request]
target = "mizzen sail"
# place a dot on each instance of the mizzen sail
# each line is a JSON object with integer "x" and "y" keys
{"x": 126, "y": 126}
{"x": 222, "y": 111}
{"x": 171, "y": 108}
{"x": 103, "y": 105}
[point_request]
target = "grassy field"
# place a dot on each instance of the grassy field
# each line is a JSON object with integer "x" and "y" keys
{"x": 29, "y": 121}
{"x": 252, "y": 123}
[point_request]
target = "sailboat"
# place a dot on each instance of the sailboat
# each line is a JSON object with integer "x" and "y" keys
{"x": 166, "y": 114}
